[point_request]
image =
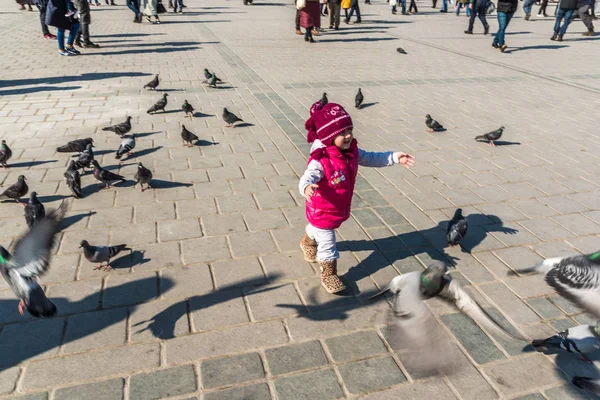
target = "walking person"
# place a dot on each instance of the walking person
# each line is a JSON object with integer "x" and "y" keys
{"x": 565, "y": 11}
{"x": 178, "y": 3}
{"x": 354, "y": 7}
{"x": 542, "y": 11}
{"x": 55, "y": 16}
{"x": 134, "y": 5}
{"x": 334, "y": 10}
{"x": 24, "y": 3}
{"x": 85, "y": 19}
{"x": 583, "y": 6}
{"x": 41, "y": 5}
{"x": 505, "y": 10}
{"x": 346, "y": 6}
{"x": 413, "y": 5}
{"x": 310, "y": 19}
{"x": 527, "y": 6}
{"x": 478, "y": 9}
{"x": 460, "y": 4}
{"x": 150, "y": 10}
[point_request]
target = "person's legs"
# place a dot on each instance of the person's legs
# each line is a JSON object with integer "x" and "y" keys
{"x": 480, "y": 11}
{"x": 72, "y": 34}
{"x": 298, "y": 22}
{"x": 586, "y": 18}
{"x": 394, "y": 3}
{"x": 133, "y": 6}
{"x": 60, "y": 38}
{"x": 444, "y": 6}
{"x": 337, "y": 9}
{"x": 413, "y": 4}
{"x": 542, "y": 11}
{"x": 560, "y": 13}
{"x": 458, "y": 6}
{"x": 45, "y": 30}
{"x": 527, "y": 5}
{"x": 331, "y": 12}
{"x": 180, "y": 3}
{"x": 499, "y": 38}
{"x": 403, "y": 5}
{"x": 471, "y": 21}
{"x": 568, "y": 18}
{"x": 433, "y": 3}
{"x": 327, "y": 256}
{"x": 358, "y": 19}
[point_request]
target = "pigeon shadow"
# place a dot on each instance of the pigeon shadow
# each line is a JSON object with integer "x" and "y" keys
{"x": 501, "y": 143}
{"x": 169, "y": 90}
{"x": 357, "y": 40}
{"x": 31, "y": 163}
{"x": 539, "y": 47}
{"x": 116, "y": 166}
{"x": 92, "y": 189}
{"x": 243, "y": 125}
{"x": 90, "y": 76}
{"x": 73, "y": 219}
{"x": 198, "y": 114}
{"x": 49, "y": 199}
{"x": 17, "y": 346}
{"x": 35, "y": 89}
{"x": 136, "y": 257}
{"x": 141, "y": 135}
{"x": 160, "y": 184}
{"x": 569, "y": 366}
{"x": 203, "y": 143}
{"x": 145, "y": 152}
{"x": 367, "y": 105}
{"x": 98, "y": 152}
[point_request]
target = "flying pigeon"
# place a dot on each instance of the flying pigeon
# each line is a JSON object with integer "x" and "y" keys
{"x": 324, "y": 100}
{"x": 16, "y": 190}
{"x": 85, "y": 158}
{"x": 30, "y": 260}
{"x": 120, "y": 129}
{"x": 73, "y": 180}
{"x": 401, "y": 50}
{"x": 126, "y": 146}
{"x": 5, "y": 154}
{"x": 433, "y": 125}
{"x": 188, "y": 109}
{"x": 491, "y": 136}
{"x": 101, "y": 254}
{"x": 159, "y": 105}
{"x": 143, "y": 175}
{"x": 34, "y": 210}
{"x": 579, "y": 339}
{"x": 457, "y": 228}
{"x": 188, "y": 137}
{"x": 358, "y": 99}
{"x": 105, "y": 176}
{"x": 153, "y": 84}
{"x": 75, "y": 146}
{"x": 208, "y": 75}
{"x": 230, "y": 117}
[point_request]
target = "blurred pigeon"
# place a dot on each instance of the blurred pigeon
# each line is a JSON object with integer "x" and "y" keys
{"x": 578, "y": 339}
{"x": 491, "y": 136}
{"x": 34, "y": 210}
{"x": 73, "y": 180}
{"x": 589, "y": 384}
{"x": 188, "y": 137}
{"x": 85, "y": 158}
{"x": 153, "y": 84}
{"x": 212, "y": 81}
{"x": 457, "y": 228}
{"x": 126, "y": 146}
{"x": 105, "y": 176}
{"x": 101, "y": 254}
{"x": 358, "y": 99}
{"x": 120, "y": 129}
{"x": 159, "y": 105}
{"x": 230, "y": 117}
{"x": 401, "y": 50}
{"x": 433, "y": 125}
{"x": 16, "y": 190}
{"x": 30, "y": 260}
{"x": 324, "y": 100}
{"x": 75, "y": 146}
{"x": 188, "y": 109}
{"x": 208, "y": 75}
{"x": 5, "y": 154}
{"x": 143, "y": 175}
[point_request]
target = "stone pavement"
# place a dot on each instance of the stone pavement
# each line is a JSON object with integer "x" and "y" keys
{"x": 216, "y": 301}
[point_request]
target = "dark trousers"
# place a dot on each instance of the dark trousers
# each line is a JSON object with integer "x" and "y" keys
{"x": 297, "y": 19}
{"x": 543, "y": 7}
{"x": 586, "y": 18}
{"x": 45, "y": 30}
{"x": 479, "y": 10}
{"x": 84, "y": 32}
{"x": 134, "y": 5}
{"x": 413, "y": 5}
{"x": 354, "y": 7}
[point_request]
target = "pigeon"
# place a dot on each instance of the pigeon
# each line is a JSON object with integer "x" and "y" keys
{"x": 208, "y": 75}
{"x": 5, "y": 154}
{"x": 73, "y": 180}
{"x": 589, "y": 384}
{"x": 324, "y": 100}
{"x": 126, "y": 146}
{"x": 105, "y": 176}
{"x": 457, "y": 228}
{"x": 143, "y": 175}
{"x": 188, "y": 137}
{"x": 491, "y": 136}
{"x": 34, "y": 210}
{"x": 230, "y": 117}
{"x": 101, "y": 254}
{"x": 120, "y": 129}
{"x": 578, "y": 339}
{"x": 16, "y": 190}
{"x": 576, "y": 278}
{"x": 188, "y": 109}
{"x": 212, "y": 81}
{"x": 433, "y": 125}
{"x": 30, "y": 260}
{"x": 401, "y": 50}
{"x": 84, "y": 160}
{"x": 159, "y": 105}
{"x": 153, "y": 84}
{"x": 75, "y": 146}
{"x": 358, "y": 99}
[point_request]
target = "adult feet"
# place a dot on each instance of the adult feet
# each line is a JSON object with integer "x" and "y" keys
{"x": 554, "y": 36}
{"x": 49, "y": 36}
{"x": 486, "y": 29}
{"x": 502, "y": 48}
{"x": 559, "y": 38}
{"x": 90, "y": 45}
{"x": 469, "y": 32}
{"x": 527, "y": 16}
{"x": 588, "y": 33}
{"x": 298, "y": 31}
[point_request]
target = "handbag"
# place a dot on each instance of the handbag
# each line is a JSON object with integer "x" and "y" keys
{"x": 491, "y": 7}
{"x": 300, "y": 4}
{"x": 160, "y": 8}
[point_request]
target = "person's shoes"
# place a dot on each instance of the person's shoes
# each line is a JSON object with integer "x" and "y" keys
{"x": 346, "y": 21}
{"x": 312, "y": 40}
{"x": 337, "y": 28}
{"x": 554, "y": 36}
{"x": 298, "y": 31}
{"x": 540, "y": 15}
{"x": 503, "y": 47}
{"x": 495, "y": 45}
{"x": 50, "y": 36}
{"x": 78, "y": 43}
{"x": 486, "y": 29}
{"x": 22, "y": 7}
{"x": 72, "y": 50}
{"x": 309, "y": 248}
{"x": 527, "y": 16}
{"x": 315, "y": 32}
{"x": 90, "y": 45}
{"x": 358, "y": 21}
{"x": 393, "y": 12}
{"x": 405, "y": 13}
{"x": 594, "y": 17}
{"x": 64, "y": 52}
{"x": 469, "y": 32}
{"x": 149, "y": 19}
{"x": 588, "y": 33}
{"x": 559, "y": 38}
{"x": 444, "y": 11}
{"x": 329, "y": 278}
{"x": 305, "y": 39}
{"x": 330, "y": 26}
{"x": 180, "y": 11}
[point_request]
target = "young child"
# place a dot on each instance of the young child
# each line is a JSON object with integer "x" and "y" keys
{"x": 328, "y": 184}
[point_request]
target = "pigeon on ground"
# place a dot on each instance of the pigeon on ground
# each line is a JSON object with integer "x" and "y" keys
{"x": 401, "y": 50}
{"x": 208, "y": 75}
{"x": 589, "y": 384}
{"x": 212, "y": 81}
{"x": 73, "y": 180}
{"x": 120, "y": 129}
{"x": 358, "y": 99}
{"x": 433, "y": 125}
{"x": 188, "y": 137}
{"x": 105, "y": 176}
{"x": 457, "y": 228}
{"x": 230, "y": 117}
{"x": 126, "y": 146}
{"x": 159, "y": 105}
{"x": 188, "y": 109}
{"x": 30, "y": 260}
{"x": 324, "y": 100}
{"x": 576, "y": 278}
{"x": 101, "y": 254}
{"x": 153, "y": 84}
{"x": 5, "y": 154}
{"x": 75, "y": 146}
{"x": 143, "y": 175}
{"x": 84, "y": 160}
{"x": 491, "y": 136}
{"x": 578, "y": 339}
{"x": 16, "y": 190}
{"x": 34, "y": 210}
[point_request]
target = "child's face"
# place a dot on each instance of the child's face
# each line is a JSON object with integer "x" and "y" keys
{"x": 343, "y": 140}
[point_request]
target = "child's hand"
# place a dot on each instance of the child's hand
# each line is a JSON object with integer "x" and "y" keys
{"x": 406, "y": 159}
{"x": 309, "y": 191}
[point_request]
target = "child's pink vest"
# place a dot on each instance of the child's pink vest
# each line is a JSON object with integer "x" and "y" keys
{"x": 331, "y": 203}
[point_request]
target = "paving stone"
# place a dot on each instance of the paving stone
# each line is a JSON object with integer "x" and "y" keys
{"x": 259, "y": 391}
{"x": 205, "y": 250}
{"x": 33, "y": 396}
{"x": 163, "y": 319}
{"x": 163, "y": 383}
{"x": 372, "y": 374}
{"x": 150, "y": 257}
{"x": 8, "y": 379}
{"x": 130, "y": 289}
{"x": 97, "y": 329}
{"x": 320, "y": 384}
{"x": 64, "y": 268}
{"x": 509, "y": 303}
{"x": 263, "y": 220}
{"x": 195, "y": 208}
{"x": 244, "y": 272}
{"x": 295, "y": 357}
{"x": 578, "y": 224}
{"x": 186, "y": 282}
{"x": 367, "y": 218}
{"x": 475, "y": 341}
{"x": 111, "y": 217}
{"x": 518, "y": 257}
{"x": 432, "y": 389}
{"x": 251, "y": 244}
{"x": 535, "y": 396}
{"x": 74, "y": 297}
{"x": 568, "y": 391}
{"x": 154, "y": 212}
{"x": 240, "y": 203}
{"x": 272, "y": 302}
{"x": 355, "y": 346}
{"x": 529, "y": 286}
{"x": 223, "y": 224}
{"x": 467, "y": 380}
{"x": 106, "y": 390}
{"x": 546, "y": 229}
{"x": 286, "y": 266}
{"x": 276, "y": 199}
{"x": 134, "y": 234}
{"x": 231, "y": 370}
{"x": 543, "y": 307}
{"x": 178, "y": 229}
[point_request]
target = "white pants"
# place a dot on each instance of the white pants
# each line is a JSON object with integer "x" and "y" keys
{"x": 326, "y": 243}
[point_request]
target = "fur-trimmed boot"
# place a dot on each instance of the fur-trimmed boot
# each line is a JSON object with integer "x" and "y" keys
{"x": 329, "y": 279}
{"x": 309, "y": 248}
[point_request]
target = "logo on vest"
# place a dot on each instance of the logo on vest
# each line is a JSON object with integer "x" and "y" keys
{"x": 338, "y": 177}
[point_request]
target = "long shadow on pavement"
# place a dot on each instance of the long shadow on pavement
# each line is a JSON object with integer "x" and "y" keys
{"x": 91, "y": 76}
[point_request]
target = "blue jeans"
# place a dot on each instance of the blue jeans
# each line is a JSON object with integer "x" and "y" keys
{"x": 560, "y": 14}
{"x": 444, "y": 5}
{"x": 60, "y": 36}
{"x": 460, "y": 5}
{"x": 503, "y": 21}
{"x": 354, "y": 7}
{"x": 134, "y": 5}
{"x": 178, "y": 3}
{"x": 527, "y": 6}
{"x": 403, "y": 4}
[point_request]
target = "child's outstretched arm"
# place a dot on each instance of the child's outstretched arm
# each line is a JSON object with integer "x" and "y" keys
{"x": 308, "y": 181}
{"x": 384, "y": 159}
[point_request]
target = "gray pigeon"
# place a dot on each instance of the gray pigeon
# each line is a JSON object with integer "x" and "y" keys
{"x": 126, "y": 146}
{"x": 153, "y": 84}
{"x": 85, "y": 158}
{"x": 187, "y": 109}
{"x": 324, "y": 100}
{"x": 143, "y": 175}
{"x": 101, "y": 254}
{"x": 433, "y": 125}
{"x": 491, "y": 136}
{"x": 75, "y": 146}
{"x": 5, "y": 154}
{"x": 34, "y": 210}
{"x": 188, "y": 137}
{"x": 457, "y": 228}
{"x": 73, "y": 180}
{"x": 120, "y": 129}
{"x": 105, "y": 176}
{"x": 578, "y": 339}
{"x": 212, "y": 81}
{"x": 16, "y": 190}
{"x": 358, "y": 99}
{"x": 30, "y": 260}
{"x": 230, "y": 117}
{"x": 159, "y": 105}
{"x": 208, "y": 75}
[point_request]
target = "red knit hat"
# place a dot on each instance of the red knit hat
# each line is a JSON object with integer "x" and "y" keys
{"x": 325, "y": 123}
